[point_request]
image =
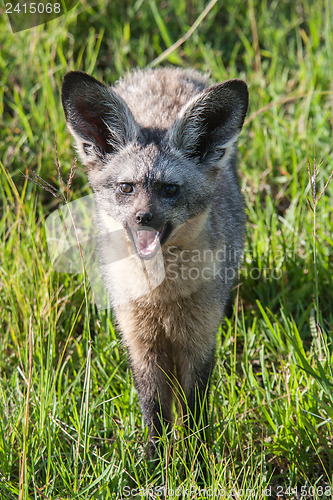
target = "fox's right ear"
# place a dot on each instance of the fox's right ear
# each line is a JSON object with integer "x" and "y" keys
{"x": 208, "y": 127}
{"x": 97, "y": 117}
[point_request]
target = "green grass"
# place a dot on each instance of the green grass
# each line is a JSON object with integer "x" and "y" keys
{"x": 70, "y": 424}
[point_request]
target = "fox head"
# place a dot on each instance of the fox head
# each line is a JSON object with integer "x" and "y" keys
{"x": 153, "y": 180}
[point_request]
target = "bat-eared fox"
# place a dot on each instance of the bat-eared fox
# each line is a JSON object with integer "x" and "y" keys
{"x": 160, "y": 147}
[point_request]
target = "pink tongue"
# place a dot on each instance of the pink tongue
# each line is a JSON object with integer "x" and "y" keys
{"x": 146, "y": 241}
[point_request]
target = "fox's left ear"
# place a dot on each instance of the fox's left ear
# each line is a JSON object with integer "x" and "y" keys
{"x": 210, "y": 124}
{"x": 97, "y": 117}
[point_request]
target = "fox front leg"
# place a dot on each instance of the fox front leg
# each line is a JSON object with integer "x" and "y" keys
{"x": 153, "y": 379}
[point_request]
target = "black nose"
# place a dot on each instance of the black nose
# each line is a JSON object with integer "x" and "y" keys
{"x": 143, "y": 217}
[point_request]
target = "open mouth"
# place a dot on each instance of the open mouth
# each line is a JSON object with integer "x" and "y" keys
{"x": 147, "y": 241}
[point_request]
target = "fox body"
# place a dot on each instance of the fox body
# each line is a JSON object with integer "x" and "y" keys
{"x": 160, "y": 147}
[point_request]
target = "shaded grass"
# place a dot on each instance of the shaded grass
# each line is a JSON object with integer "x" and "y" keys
{"x": 271, "y": 412}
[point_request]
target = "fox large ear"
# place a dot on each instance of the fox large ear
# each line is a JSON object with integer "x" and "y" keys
{"x": 209, "y": 125}
{"x": 97, "y": 117}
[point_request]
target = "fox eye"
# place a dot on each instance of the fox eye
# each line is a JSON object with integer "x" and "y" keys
{"x": 126, "y": 188}
{"x": 170, "y": 190}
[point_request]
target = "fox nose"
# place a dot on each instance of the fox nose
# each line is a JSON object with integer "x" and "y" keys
{"x": 143, "y": 217}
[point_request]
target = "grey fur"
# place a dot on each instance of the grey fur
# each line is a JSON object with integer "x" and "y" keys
{"x": 172, "y": 138}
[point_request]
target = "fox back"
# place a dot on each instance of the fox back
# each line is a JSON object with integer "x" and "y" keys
{"x": 160, "y": 147}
